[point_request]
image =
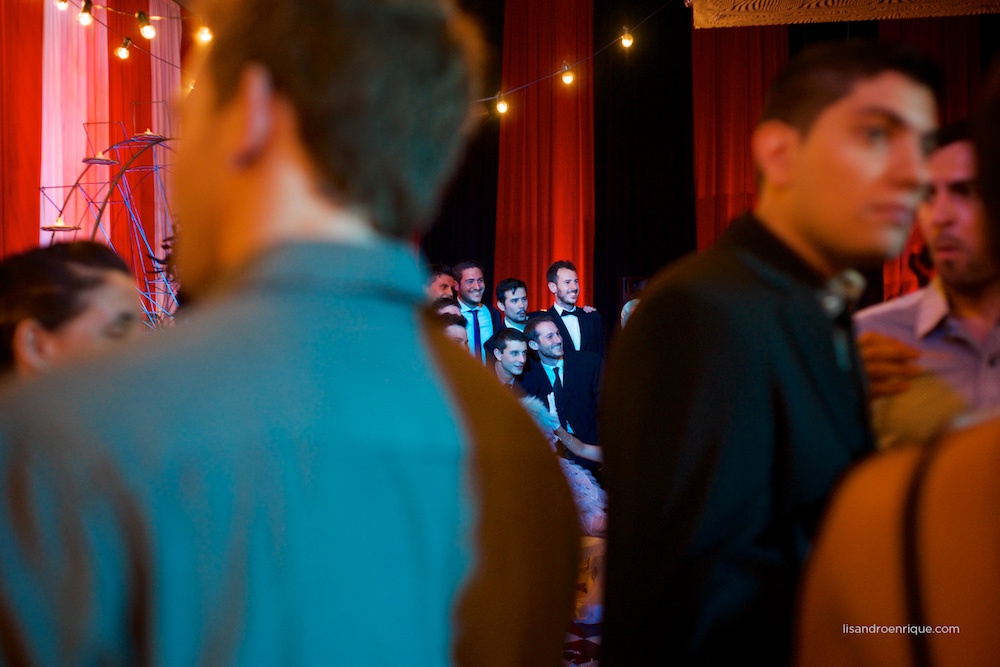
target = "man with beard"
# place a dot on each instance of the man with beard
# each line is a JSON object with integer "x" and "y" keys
{"x": 571, "y": 383}
{"x": 483, "y": 320}
{"x": 580, "y": 328}
{"x": 512, "y": 301}
{"x": 933, "y": 354}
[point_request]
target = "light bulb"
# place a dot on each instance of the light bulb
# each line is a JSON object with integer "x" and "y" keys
{"x": 62, "y": 4}
{"x": 501, "y": 104}
{"x": 145, "y": 28}
{"x": 122, "y": 52}
{"x": 626, "y": 38}
{"x": 567, "y": 75}
{"x": 204, "y": 35}
{"x": 85, "y": 17}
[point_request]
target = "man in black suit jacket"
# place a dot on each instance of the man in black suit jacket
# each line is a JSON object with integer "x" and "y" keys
{"x": 471, "y": 288}
{"x": 734, "y": 397}
{"x": 580, "y": 328}
{"x": 574, "y": 383}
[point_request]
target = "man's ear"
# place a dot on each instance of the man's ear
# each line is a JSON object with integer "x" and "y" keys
{"x": 32, "y": 347}
{"x": 552, "y": 287}
{"x": 775, "y": 147}
{"x": 532, "y": 344}
{"x": 497, "y": 354}
{"x": 500, "y": 307}
{"x": 256, "y": 114}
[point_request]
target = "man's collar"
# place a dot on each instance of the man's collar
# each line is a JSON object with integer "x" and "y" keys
{"x": 513, "y": 325}
{"x": 933, "y": 308}
{"x": 560, "y": 310}
{"x": 750, "y": 233}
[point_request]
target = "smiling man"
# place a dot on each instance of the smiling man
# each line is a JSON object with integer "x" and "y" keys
{"x": 932, "y": 355}
{"x": 733, "y": 399}
{"x": 483, "y": 320}
{"x": 300, "y": 472}
{"x": 580, "y": 327}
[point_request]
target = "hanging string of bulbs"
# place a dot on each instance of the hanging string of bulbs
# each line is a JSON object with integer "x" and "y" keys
{"x": 145, "y": 22}
{"x": 566, "y": 72}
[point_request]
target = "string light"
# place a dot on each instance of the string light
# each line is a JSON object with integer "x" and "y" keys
{"x": 145, "y": 27}
{"x": 204, "y": 35}
{"x": 62, "y": 4}
{"x": 626, "y": 38}
{"x": 122, "y": 51}
{"x": 567, "y": 74}
{"x": 86, "y": 16}
{"x": 501, "y": 104}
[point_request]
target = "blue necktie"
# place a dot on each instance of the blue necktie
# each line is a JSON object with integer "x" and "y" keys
{"x": 477, "y": 337}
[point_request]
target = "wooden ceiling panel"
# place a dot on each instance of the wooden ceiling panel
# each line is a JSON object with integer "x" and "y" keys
{"x": 731, "y": 13}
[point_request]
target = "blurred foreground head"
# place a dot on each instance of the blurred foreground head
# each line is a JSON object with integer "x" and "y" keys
{"x": 62, "y": 302}
{"x": 319, "y": 120}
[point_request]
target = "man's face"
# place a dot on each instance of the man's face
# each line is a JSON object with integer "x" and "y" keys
{"x": 951, "y": 219}
{"x": 566, "y": 287}
{"x": 513, "y": 357}
{"x": 471, "y": 286}
{"x": 856, "y": 178}
{"x": 111, "y": 314}
{"x": 549, "y": 344}
{"x": 442, "y": 285}
{"x": 457, "y": 334}
{"x": 515, "y": 305}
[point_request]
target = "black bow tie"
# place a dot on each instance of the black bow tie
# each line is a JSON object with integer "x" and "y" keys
{"x": 568, "y": 313}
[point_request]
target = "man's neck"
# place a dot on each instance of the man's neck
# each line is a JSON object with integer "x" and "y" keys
{"x": 470, "y": 306}
{"x": 549, "y": 361}
{"x": 510, "y": 324}
{"x": 505, "y": 377}
{"x": 777, "y": 219}
{"x": 565, "y": 306}
{"x": 978, "y": 308}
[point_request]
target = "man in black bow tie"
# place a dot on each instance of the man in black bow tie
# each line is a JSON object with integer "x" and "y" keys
{"x": 580, "y": 328}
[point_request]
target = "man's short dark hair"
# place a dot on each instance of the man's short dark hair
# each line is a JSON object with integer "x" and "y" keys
{"x": 553, "y": 273}
{"x": 823, "y": 74}
{"x": 456, "y": 271}
{"x": 509, "y": 285}
{"x": 435, "y": 270}
{"x": 381, "y": 89}
{"x": 507, "y": 335}
{"x": 531, "y": 328}
{"x": 442, "y": 301}
{"x": 952, "y": 133}
{"x": 45, "y": 284}
{"x": 451, "y": 320}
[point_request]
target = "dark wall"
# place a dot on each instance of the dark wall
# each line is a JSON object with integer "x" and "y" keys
{"x": 643, "y": 147}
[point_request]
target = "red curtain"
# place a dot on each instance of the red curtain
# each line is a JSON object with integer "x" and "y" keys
{"x": 955, "y": 43}
{"x": 732, "y": 69}
{"x": 545, "y": 199}
{"x": 129, "y": 102}
{"x": 20, "y": 124}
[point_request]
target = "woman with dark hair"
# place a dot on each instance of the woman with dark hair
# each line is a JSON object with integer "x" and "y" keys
{"x": 61, "y": 302}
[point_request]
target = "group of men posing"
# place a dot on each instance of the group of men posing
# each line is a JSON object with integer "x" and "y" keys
{"x": 302, "y": 471}
{"x": 555, "y": 355}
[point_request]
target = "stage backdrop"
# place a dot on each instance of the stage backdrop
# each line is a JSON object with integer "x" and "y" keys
{"x": 545, "y": 185}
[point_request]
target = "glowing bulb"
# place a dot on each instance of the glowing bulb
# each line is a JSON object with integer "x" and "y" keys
{"x": 567, "y": 75}
{"x": 60, "y": 222}
{"x": 626, "y": 38}
{"x": 501, "y": 104}
{"x": 204, "y": 35}
{"x": 85, "y": 17}
{"x": 62, "y": 4}
{"x": 145, "y": 28}
{"x": 122, "y": 52}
